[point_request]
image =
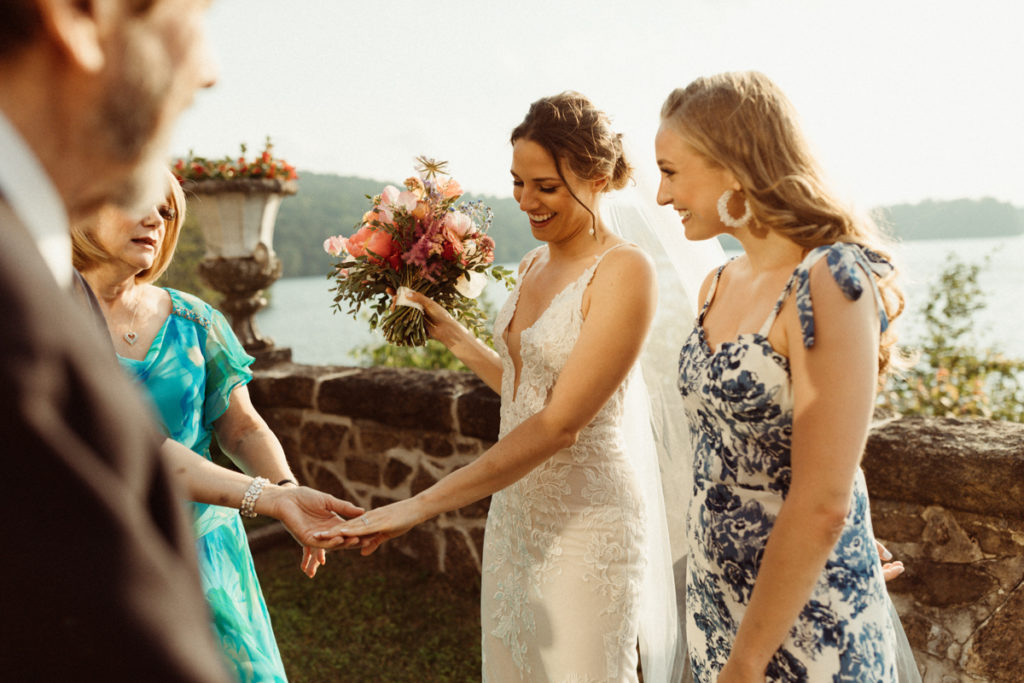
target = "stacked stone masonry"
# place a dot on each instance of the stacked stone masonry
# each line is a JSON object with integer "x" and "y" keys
{"x": 947, "y": 496}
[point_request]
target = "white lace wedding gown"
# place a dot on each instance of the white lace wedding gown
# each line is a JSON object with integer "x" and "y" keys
{"x": 564, "y": 546}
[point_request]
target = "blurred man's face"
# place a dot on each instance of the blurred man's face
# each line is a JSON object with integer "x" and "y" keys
{"x": 157, "y": 62}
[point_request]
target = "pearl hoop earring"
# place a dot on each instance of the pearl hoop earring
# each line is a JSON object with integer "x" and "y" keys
{"x": 723, "y": 211}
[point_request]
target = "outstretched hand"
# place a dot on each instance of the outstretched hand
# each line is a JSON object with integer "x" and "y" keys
{"x": 304, "y": 512}
{"x": 375, "y": 527}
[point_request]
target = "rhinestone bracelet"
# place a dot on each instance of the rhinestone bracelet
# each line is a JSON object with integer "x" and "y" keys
{"x": 252, "y": 494}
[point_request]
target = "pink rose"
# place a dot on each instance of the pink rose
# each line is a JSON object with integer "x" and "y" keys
{"x": 391, "y": 198}
{"x": 458, "y": 223}
{"x": 334, "y": 245}
{"x": 407, "y": 201}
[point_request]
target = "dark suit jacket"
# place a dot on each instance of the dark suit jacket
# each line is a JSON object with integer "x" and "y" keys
{"x": 98, "y": 577}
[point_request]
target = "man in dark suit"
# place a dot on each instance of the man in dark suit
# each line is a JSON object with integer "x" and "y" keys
{"x": 98, "y": 578}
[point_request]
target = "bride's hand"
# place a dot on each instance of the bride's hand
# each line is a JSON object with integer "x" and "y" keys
{"x": 379, "y": 525}
{"x": 439, "y": 322}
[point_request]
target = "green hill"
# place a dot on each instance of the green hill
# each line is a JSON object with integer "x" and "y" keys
{"x": 954, "y": 219}
{"x": 330, "y": 204}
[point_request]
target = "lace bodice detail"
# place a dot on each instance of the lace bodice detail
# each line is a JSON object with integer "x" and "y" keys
{"x": 544, "y": 349}
{"x": 563, "y": 547}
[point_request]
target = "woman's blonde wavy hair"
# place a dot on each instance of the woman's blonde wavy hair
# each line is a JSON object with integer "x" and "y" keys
{"x": 744, "y": 123}
{"x": 86, "y": 252}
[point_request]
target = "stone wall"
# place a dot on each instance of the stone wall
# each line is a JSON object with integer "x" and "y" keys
{"x": 373, "y": 436}
{"x": 947, "y": 496}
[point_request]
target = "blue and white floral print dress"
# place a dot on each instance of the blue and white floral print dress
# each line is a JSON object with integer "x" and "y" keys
{"x": 739, "y": 404}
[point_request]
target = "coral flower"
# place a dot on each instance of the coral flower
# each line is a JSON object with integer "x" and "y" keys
{"x": 355, "y": 244}
{"x": 449, "y": 188}
{"x": 380, "y": 243}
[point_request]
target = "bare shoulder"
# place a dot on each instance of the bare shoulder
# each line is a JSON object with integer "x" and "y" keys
{"x": 625, "y": 274}
{"x": 628, "y": 261}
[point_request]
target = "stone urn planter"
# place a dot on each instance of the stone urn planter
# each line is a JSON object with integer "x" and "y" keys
{"x": 237, "y": 219}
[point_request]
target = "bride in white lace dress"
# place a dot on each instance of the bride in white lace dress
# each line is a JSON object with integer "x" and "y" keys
{"x": 566, "y": 542}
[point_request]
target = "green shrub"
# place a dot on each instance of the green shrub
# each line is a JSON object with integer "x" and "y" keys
{"x": 953, "y": 374}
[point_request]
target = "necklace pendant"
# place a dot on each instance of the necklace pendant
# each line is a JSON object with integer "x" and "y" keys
{"x": 131, "y": 338}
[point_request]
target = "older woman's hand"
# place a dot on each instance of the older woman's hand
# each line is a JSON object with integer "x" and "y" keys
{"x": 304, "y": 512}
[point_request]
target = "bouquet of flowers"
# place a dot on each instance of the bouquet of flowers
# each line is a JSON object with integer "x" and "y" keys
{"x": 420, "y": 238}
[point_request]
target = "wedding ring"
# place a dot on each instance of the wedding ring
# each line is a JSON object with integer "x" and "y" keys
{"x": 366, "y": 522}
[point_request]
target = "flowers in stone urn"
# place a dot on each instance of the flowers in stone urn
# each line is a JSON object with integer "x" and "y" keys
{"x": 235, "y": 201}
{"x": 420, "y": 238}
{"x": 265, "y": 166}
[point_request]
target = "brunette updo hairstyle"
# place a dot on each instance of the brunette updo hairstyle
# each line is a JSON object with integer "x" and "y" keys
{"x": 578, "y": 136}
{"x": 744, "y": 123}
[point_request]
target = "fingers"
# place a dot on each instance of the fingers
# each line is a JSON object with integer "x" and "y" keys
{"x": 883, "y": 552}
{"x": 358, "y": 526}
{"x": 344, "y": 508}
{"x": 432, "y": 309}
{"x": 370, "y": 545}
{"x": 317, "y": 559}
{"x": 891, "y": 570}
{"x": 310, "y": 561}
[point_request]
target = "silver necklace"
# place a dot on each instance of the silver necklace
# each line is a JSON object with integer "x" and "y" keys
{"x": 130, "y": 335}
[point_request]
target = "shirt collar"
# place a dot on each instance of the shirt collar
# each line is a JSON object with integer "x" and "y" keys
{"x": 32, "y": 196}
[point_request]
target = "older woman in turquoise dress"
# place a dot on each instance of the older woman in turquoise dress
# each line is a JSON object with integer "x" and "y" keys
{"x": 185, "y": 354}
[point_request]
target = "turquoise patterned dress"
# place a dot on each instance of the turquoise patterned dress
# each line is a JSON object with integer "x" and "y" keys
{"x": 739, "y": 405}
{"x": 190, "y": 370}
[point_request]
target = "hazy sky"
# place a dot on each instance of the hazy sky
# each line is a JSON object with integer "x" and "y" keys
{"x": 904, "y": 100}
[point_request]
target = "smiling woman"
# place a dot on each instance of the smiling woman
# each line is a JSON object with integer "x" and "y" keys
{"x": 184, "y": 354}
{"x": 572, "y": 578}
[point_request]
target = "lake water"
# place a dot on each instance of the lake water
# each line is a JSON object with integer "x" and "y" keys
{"x": 300, "y": 312}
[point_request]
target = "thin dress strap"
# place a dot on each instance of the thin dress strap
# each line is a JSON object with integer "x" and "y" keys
{"x": 529, "y": 264}
{"x": 767, "y": 327}
{"x": 711, "y": 293}
{"x": 604, "y": 253}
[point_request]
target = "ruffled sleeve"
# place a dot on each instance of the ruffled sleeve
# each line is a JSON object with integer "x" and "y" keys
{"x": 226, "y": 362}
{"x": 849, "y": 264}
{"x": 227, "y": 367}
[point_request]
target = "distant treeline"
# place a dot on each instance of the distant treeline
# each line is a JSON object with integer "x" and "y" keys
{"x": 334, "y": 205}
{"x": 932, "y": 220}
{"x": 330, "y": 205}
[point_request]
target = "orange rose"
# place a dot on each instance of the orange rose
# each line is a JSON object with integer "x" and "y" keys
{"x": 380, "y": 243}
{"x": 355, "y": 244}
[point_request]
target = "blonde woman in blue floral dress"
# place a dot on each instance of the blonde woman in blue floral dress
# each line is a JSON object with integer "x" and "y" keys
{"x": 778, "y": 378}
{"x": 192, "y": 366}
